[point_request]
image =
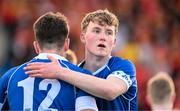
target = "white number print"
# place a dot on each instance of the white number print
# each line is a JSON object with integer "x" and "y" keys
{"x": 28, "y": 86}
{"x": 53, "y": 92}
{"x": 28, "y": 89}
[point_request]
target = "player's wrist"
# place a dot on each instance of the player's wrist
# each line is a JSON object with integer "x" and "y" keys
{"x": 61, "y": 72}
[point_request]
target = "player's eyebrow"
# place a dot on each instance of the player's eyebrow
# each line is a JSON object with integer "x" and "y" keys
{"x": 109, "y": 30}
{"x": 96, "y": 28}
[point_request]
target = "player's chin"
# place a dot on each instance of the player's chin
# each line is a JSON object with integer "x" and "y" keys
{"x": 103, "y": 54}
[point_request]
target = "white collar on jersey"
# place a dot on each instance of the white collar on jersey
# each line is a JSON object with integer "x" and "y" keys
{"x": 44, "y": 56}
{"x": 81, "y": 64}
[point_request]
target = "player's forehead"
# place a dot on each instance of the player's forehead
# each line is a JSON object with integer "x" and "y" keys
{"x": 97, "y": 24}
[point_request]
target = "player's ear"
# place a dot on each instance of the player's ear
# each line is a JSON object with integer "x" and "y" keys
{"x": 36, "y": 47}
{"x": 148, "y": 99}
{"x": 114, "y": 44}
{"x": 82, "y": 37}
{"x": 66, "y": 44}
{"x": 173, "y": 97}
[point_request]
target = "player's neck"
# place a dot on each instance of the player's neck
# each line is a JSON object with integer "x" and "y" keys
{"x": 93, "y": 63}
{"x": 61, "y": 53}
{"x": 162, "y": 107}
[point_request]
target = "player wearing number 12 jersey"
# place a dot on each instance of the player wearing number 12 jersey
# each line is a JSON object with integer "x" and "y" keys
{"x": 28, "y": 93}
{"x": 18, "y": 91}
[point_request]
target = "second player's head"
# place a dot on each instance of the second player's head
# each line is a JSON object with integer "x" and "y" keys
{"x": 102, "y": 17}
{"x": 98, "y": 33}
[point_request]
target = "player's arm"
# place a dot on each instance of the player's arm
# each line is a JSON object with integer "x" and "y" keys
{"x": 87, "y": 110}
{"x": 107, "y": 89}
{"x": 1, "y": 106}
{"x": 85, "y": 101}
{"x": 3, "y": 89}
{"x": 2, "y": 95}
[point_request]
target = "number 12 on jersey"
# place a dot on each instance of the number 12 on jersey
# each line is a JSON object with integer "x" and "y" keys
{"x": 28, "y": 89}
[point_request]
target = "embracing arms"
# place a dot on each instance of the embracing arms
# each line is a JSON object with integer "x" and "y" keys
{"x": 107, "y": 89}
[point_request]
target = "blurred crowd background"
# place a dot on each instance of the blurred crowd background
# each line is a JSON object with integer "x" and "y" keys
{"x": 149, "y": 34}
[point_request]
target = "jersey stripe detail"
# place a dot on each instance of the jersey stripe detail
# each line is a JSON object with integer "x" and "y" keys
{"x": 121, "y": 75}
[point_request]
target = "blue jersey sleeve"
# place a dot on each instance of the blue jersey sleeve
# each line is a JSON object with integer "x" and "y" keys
{"x": 83, "y": 99}
{"x": 79, "y": 92}
{"x": 3, "y": 87}
{"x": 123, "y": 69}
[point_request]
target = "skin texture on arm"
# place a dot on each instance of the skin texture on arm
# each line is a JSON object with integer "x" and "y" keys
{"x": 107, "y": 89}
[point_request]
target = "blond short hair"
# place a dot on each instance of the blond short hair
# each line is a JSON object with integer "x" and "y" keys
{"x": 102, "y": 17}
{"x": 161, "y": 88}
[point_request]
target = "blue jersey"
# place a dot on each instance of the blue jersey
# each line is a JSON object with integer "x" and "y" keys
{"x": 124, "y": 70}
{"x": 27, "y": 93}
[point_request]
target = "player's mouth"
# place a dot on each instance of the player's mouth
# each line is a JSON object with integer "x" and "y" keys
{"x": 102, "y": 46}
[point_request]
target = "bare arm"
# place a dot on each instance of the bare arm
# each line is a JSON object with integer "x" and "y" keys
{"x": 107, "y": 89}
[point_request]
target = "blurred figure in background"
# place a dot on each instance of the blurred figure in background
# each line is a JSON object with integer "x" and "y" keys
{"x": 161, "y": 92}
{"x": 4, "y": 50}
{"x": 71, "y": 56}
{"x": 176, "y": 79}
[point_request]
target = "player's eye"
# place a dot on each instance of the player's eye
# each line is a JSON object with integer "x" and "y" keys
{"x": 97, "y": 31}
{"x": 109, "y": 33}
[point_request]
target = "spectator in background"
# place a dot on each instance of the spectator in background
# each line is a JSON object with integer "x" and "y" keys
{"x": 4, "y": 50}
{"x": 161, "y": 92}
{"x": 71, "y": 56}
{"x": 176, "y": 79}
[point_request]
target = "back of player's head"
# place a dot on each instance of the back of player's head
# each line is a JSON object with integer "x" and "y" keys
{"x": 51, "y": 30}
{"x": 102, "y": 17}
{"x": 161, "y": 88}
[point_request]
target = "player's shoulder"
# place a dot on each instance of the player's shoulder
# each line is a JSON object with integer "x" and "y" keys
{"x": 114, "y": 61}
{"x": 10, "y": 71}
{"x": 120, "y": 64}
{"x": 7, "y": 75}
{"x": 15, "y": 69}
{"x": 74, "y": 67}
